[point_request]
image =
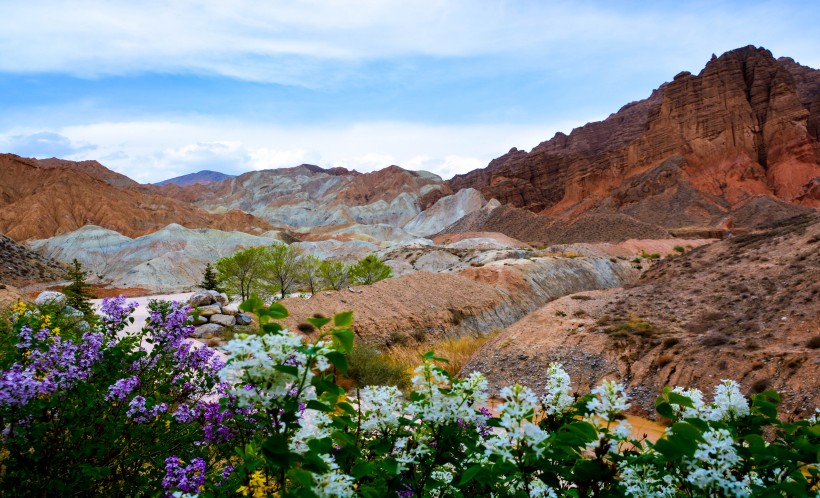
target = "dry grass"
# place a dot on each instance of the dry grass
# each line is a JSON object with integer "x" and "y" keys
{"x": 457, "y": 351}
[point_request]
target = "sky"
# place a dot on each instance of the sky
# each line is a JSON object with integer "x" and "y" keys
{"x": 155, "y": 90}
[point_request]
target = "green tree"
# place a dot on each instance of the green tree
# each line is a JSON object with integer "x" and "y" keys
{"x": 334, "y": 274}
{"x": 210, "y": 281}
{"x": 282, "y": 268}
{"x": 241, "y": 272}
{"x": 77, "y": 292}
{"x": 369, "y": 270}
{"x": 309, "y": 274}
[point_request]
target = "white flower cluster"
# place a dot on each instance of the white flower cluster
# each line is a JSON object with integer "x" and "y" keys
{"x": 610, "y": 400}
{"x": 729, "y": 403}
{"x": 253, "y": 361}
{"x": 381, "y": 408}
{"x": 711, "y": 467}
{"x": 445, "y": 401}
{"x": 517, "y": 412}
{"x": 645, "y": 481}
{"x": 557, "y": 397}
{"x": 334, "y": 483}
{"x": 313, "y": 424}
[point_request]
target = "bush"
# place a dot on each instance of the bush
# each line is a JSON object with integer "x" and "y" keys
{"x": 370, "y": 270}
{"x": 369, "y": 367}
{"x": 679, "y": 249}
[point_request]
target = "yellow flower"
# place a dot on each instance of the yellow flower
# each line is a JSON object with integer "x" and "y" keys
{"x": 258, "y": 487}
{"x": 20, "y": 307}
{"x": 46, "y": 320}
{"x": 167, "y": 424}
{"x": 56, "y": 331}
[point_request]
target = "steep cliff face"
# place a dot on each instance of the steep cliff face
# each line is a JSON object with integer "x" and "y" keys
{"x": 746, "y": 126}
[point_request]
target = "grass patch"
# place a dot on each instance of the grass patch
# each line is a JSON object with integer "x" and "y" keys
{"x": 634, "y": 325}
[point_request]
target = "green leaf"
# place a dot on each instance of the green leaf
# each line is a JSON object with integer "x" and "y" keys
{"x": 343, "y": 319}
{"x": 319, "y": 406}
{"x": 338, "y": 360}
{"x": 361, "y": 469}
{"x": 679, "y": 399}
{"x": 664, "y": 409}
{"x": 252, "y": 304}
{"x": 272, "y": 328}
{"x": 277, "y": 311}
{"x": 288, "y": 369}
{"x": 470, "y": 474}
{"x": 318, "y": 322}
{"x": 276, "y": 451}
{"x": 344, "y": 338}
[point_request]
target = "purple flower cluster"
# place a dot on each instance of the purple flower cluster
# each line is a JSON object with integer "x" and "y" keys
{"x": 189, "y": 479}
{"x": 52, "y": 365}
{"x": 171, "y": 329}
{"x": 115, "y": 312}
{"x": 226, "y": 472}
{"x": 185, "y": 414}
{"x": 122, "y": 388}
{"x": 215, "y": 430}
{"x": 139, "y": 413}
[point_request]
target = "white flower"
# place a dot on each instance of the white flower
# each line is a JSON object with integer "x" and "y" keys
{"x": 645, "y": 481}
{"x": 444, "y": 402}
{"x": 520, "y": 402}
{"x": 539, "y": 489}
{"x": 711, "y": 467}
{"x": 622, "y": 431}
{"x": 313, "y": 424}
{"x": 699, "y": 406}
{"x": 557, "y": 398}
{"x": 381, "y": 407}
{"x": 334, "y": 483}
{"x": 729, "y": 403}
{"x": 611, "y": 400}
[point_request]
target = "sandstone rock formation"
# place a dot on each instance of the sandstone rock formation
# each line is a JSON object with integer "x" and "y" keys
{"x": 695, "y": 150}
{"x": 40, "y": 201}
{"x": 744, "y": 308}
{"x": 307, "y": 195}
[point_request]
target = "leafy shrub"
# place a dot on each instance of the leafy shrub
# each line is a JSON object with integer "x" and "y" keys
{"x": 679, "y": 249}
{"x": 103, "y": 416}
{"x": 369, "y": 367}
{"x": 370, "y": 270}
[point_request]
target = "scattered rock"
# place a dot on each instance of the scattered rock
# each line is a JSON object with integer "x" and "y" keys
{"x": 202, "y": 298}
{"x": 218, "y": 297}
{"x": 50, "y": 298}
{"x": 200, "y": 320}
{"x": 208, "y": 330}
{"x": 230, "y": 309}
{"x": 209, "y": 310}
{"x": 243, "y": 319}
{"x": 224, "y": 320}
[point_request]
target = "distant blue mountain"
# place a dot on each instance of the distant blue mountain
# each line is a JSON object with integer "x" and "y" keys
{"x": 204, "y": 176}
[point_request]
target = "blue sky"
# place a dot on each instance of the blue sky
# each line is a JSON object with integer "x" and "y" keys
{"x": 159, "y": 89}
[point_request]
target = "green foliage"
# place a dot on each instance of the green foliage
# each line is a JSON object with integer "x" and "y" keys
{"x": 77, "y": 292}
{"x": 334, "y": 274}
{"x": 210, "y": 280}
{"x": 370, "y": 270}
{"x": 282, "y": 268}
{"x": 240, "y": 273}
{"x": 309, "y": 274}
{"x": 679, "y": 249}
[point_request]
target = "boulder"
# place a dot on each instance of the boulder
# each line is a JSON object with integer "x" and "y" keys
{"x": 243, "y": 319}
{"x": 224, "y": 320}
{"x": 50, "y": 298}
{"x": 200, "y": 320}
{"x": 201, "y": 298}
{"x": 69, "y": 311}
{"x": 230, "y": 309}
{"x": 208, "y": 330}
{"x": 218, "y": 297}
{"x": 209, "y": 310}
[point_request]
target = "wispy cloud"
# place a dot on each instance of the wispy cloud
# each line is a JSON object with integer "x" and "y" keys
{"x": 150, "y": 151}
{"x": 43, "y": 144}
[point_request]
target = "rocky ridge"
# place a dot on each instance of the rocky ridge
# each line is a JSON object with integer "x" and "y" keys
{"x": 19, "y": 265}
{"x": 698, "y": 147}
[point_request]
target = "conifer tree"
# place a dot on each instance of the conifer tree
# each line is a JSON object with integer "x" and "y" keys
{"x": 209, "y": 279}
{"x": 77, "y": 292}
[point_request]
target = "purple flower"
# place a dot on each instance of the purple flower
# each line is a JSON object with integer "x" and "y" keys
{"x": 122, "y": 388}
{"x": 189, "y": 479}
{"x": 215, "y": 430}
{"x": 115, "y": 312}
{"x": 140, "y": 413}
{"x": 407, "y": 492}
{"x": 227, "y": 471}
{"x": 185, "y": 414}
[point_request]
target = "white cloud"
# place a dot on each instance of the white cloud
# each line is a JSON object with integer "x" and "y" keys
{"x": 306, "y": 41}
{"x": 150, "y": 151}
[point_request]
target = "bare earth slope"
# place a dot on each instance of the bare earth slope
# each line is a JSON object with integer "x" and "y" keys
{"x": 42, "y": 201}
{"x": 18, "y": 265}
{"x": 744, "y": 308}
{"x": 692, "y": 153}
